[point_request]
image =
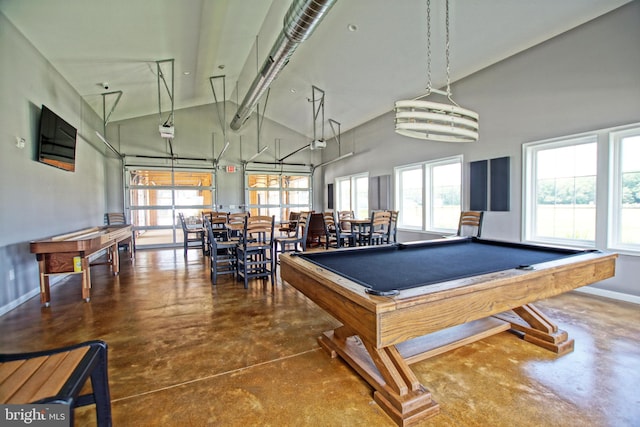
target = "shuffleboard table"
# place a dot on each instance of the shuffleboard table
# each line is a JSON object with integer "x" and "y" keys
{"x": 69, "y": 253}
{"x": 403, "y": 303}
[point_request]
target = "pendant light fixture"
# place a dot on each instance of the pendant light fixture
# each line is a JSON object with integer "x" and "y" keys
{"x": 436, "y": 121}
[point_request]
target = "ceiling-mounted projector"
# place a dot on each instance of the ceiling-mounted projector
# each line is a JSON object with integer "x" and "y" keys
{"x": 167, "y": 131}
{"x": 318, "y": 144}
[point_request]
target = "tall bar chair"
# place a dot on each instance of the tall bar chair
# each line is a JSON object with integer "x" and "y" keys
{"x": 255, "y": 250}
{"x": 191, "y": 235}
{"x": 222, "y": 253}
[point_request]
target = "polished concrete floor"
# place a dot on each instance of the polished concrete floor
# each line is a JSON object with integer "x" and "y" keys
{"x": 185, "y": 353}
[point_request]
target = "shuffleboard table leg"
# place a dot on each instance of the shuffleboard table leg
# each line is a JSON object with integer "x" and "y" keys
{"x": 86, "y": 279}
{"x": 45, "y": 293}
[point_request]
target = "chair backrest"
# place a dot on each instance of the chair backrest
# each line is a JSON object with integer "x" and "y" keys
{"x": 183, "y": 223}
{"x": 258, "y": 229}
{"x": 329, "y": 222}
{"x": 115, "y": 218}
{"x": 235, "y": 222}
{"x": 393, "y": 227}
{"x": 292, "y": 225}
{"x": 210, "y": 237}
{"x": 381, "y": 221}
{"x": 303, "y": 227}
{"x": 218, "y": 219}
{"x": 343, "y": 219}
{"x": 470, "y": 223}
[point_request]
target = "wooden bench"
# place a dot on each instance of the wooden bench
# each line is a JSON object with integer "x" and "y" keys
{"x": 57, "y": 377}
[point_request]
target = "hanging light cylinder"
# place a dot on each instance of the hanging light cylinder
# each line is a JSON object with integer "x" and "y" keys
{"x": 431, "y": 120}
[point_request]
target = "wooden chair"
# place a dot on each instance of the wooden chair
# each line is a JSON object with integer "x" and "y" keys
{"x": 334, "y": 235}
{"x": 393, "y": 228}
{"x": 191, "y": 235}
{"x": 297, "y": 242}
{"x": 118, "y": 218}
{"x": 315, "y": 234}
{"x": 222, "y": 253}
{"x": 470, "y": 223}
{"x": 290, "y": 226}
{"x": 378, "y": 229}
{"x": 115, "y": 218}
{"x": 235, "y": 224}
{"x": 218, "y": 222}
{"x": 343, "y": 218}
{"x": 57, "y": 377}
{"x": 255, "y": 250}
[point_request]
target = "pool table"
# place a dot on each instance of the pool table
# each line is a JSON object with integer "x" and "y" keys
{"x": 402, "y": 303}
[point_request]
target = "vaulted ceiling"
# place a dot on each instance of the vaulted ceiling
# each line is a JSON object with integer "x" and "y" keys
{"x": 364, "y": 55}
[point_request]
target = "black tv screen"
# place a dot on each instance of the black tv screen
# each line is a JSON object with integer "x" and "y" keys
{"x": 57, "y": 141}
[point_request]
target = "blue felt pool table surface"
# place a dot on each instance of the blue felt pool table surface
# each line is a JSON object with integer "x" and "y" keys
{"x": 404, "y": 266}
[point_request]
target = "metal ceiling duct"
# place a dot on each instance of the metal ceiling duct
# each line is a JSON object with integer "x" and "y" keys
{"x": 299, "y": 22}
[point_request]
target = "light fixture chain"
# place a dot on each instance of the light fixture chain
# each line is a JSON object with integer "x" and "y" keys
{"x": 429, "y": 46}
{"x": 447, "y": 50}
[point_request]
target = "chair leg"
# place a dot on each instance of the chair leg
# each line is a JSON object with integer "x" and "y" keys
{"x": 100, "y": 386}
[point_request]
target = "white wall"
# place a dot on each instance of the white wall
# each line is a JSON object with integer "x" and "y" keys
{"x": 37, "y": 200}
{"x": 585, "y": 79}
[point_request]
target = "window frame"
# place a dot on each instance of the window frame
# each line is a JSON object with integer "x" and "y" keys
{"x": 355, "y": 204}
{"x": 529, "y": 202}
{"x": 614, "y": 208}
{"x": 427, "y": 195}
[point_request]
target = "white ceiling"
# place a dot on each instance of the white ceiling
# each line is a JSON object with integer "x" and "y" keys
{"x": 362, "y": 73}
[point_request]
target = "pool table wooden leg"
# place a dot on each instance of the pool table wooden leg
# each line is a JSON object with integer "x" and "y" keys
{"x": 536, "y": 328}
{"x": 397, "y": 390}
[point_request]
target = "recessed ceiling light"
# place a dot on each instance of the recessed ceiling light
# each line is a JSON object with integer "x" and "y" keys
{"x": 292, "y": 90}
{"x": 352, "y": 27}
{"x": 186, "y": 73}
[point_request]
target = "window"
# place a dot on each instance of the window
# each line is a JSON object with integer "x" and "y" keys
{"x": 353, "y": 194}
{"x": 278, "y": 194}
{"x": 428, "y": 195}
{"x": 560, "y": 190}
{"x": 624, "y": 203}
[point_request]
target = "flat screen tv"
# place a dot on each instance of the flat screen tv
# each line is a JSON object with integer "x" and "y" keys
{"x": 57, "y": 141}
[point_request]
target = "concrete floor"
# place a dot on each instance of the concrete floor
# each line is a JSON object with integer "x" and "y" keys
{"x": 185, "y": 353}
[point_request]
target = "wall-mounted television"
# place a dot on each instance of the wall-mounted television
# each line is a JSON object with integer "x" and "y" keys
{"x": 56, "y": 141}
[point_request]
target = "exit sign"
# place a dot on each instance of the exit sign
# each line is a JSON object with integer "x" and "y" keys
{"x": 231, "y": 169}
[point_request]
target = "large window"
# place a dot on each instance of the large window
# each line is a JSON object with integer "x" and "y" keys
{"x": 278, "y": 194}
{"x": 353, "y": 194}
{"x": 560, "y": 190}
{"x": 624, "y": 204}
{"x": 428, "y": 195}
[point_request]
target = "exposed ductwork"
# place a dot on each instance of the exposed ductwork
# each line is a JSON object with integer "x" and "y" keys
{"x": 299, "y": 22}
